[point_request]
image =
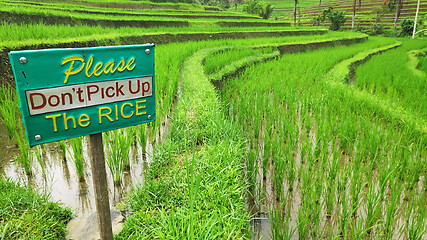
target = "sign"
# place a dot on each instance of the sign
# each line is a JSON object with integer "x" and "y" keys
{"x": 67, "y": 93}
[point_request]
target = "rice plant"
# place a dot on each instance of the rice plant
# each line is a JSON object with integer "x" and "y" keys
{"x": 9, "y": 109}
{"x": 63, "y": 147}
{"x": 38, "y": 153}
{"x": 76, "y": 153}
{"x": 142, "y": 137}
{"x": 117, "y": 147}
{"x": 25, "y": 157}
{"x": 361, "y": 160}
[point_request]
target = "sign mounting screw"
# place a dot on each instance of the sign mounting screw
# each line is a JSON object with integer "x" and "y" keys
{"x": 38, "y": 137}
{"x": 23, "y": 60}
{"x": 149, "y": 117}
{"x": 147, "y": 51}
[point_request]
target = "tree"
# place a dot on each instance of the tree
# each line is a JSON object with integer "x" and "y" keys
{"x": 263, "y": 9}
{"x": 407, "y": 27}
{"x": 252, "y": 7}
{"x": 295, "y": 12}
{"x": 236, "y": 3}
{"x": 396, "y": 18}
{"x": 266, "y": 10}
{"x": 337, "y": 18}
{"x": 321, "y": 18}
{"x": 416, "y": 18}
{"x": 354, "y": 12}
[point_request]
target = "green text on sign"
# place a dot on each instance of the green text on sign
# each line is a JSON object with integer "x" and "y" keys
{"x": 67, "y": 93}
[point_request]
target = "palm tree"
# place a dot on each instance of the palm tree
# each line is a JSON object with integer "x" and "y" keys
{"x": 266, "y": 10}
{"x": 295, "y": 13}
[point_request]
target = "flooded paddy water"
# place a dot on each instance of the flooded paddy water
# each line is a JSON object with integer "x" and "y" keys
{"x": 58, "y": 178}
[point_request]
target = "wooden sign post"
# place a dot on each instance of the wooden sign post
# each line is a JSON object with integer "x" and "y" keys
{"x": 67, "y": 93}
{"x": 99, "y": 177}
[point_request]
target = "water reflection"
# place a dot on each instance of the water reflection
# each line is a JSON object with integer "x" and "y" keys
{"x": 54, "y": 174}
{"x": 61, "y": 182}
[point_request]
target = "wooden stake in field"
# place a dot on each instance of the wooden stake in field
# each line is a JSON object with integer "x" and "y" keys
{"x": 99, "y": 176}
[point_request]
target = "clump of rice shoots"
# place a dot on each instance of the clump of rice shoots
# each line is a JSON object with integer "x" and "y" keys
{"x": 142, "y": 137}
{"x": 9, "y": 110}
{"x": 25, "y": 157}
{"x": 77, "y": 155}
{"x": 118, "y": 149}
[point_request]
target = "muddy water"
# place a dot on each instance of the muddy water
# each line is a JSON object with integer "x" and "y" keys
{"x": 61, "y": 183}
{"x": 268, "y": 200}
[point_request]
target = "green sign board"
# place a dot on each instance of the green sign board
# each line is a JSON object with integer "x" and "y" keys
{"x": 67, "y": 93}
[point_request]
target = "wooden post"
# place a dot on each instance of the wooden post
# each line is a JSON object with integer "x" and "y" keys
{"x": 99, "y": 177}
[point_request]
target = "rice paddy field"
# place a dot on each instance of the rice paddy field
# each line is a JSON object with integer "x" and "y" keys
{"x": 263, "y": 130}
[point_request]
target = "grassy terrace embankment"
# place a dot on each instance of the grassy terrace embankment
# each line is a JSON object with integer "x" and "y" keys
{"x": 61, "y": 13}
{"x": 26, "y": 215}
{"x": 66, "y": 7}
{"x": 16, "y": 13}
{"x": 15, "y": 37}
{"x": 122, "y": 4}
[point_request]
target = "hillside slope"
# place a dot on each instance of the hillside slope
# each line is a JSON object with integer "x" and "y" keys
{"x": 367, "y": 15}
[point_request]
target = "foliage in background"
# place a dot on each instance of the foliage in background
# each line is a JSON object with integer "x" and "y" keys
{"x": 407, "y": 26}
{"x": 261, "y": 8}
{"x": 26, "y": 215}
{"x": 336, "y": 18}
{"x": 422, "y": 25}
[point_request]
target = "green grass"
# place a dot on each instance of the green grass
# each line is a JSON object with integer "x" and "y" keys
{"x": 334, "y": 141}
{"x": 117, "y": 146}
{"x": 23, "y": 11}
{"x": 130, "y": 12}
{"x": 200, "y": 143}
{"x": 423, "y": 64}
{"x": 218, "y": 60}
{"x": 76, "y": 153}
{"x": 127, "y": 4}
{"x": 388, "y": 80}
{"x": 31, "y": 14}
{"x": 195, "y": 188}
{"x": 18, "y": 35}
{"x": 9, "y": 109}
{"x": 27, "y": 215}
{"x": 336, "y": 151}
{"x": 218, "y": 155}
